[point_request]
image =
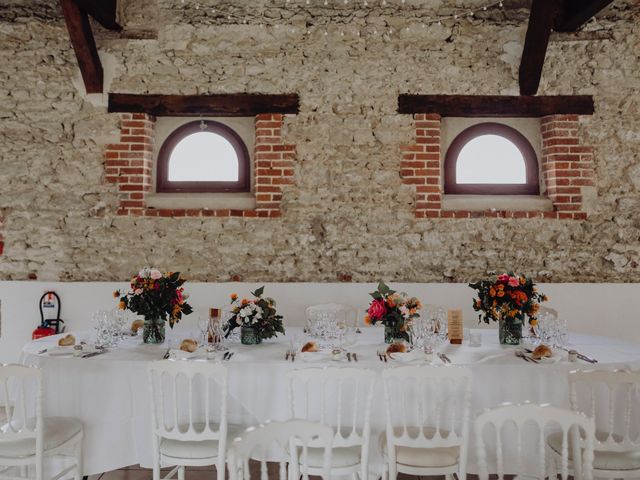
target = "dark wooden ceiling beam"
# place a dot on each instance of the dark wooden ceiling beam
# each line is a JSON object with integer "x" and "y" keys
{"x": 577, "y": 12}
{"x": 221, "y": 105}
{"x": 541, "y": 20}
{"x": 84, "y": 45}
{"x": 496, "y": 105}
{"x": 103, "y": 11}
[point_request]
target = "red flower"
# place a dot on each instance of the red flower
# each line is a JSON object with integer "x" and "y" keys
{"x": 377, "y": 309}
{"x": 504, "y": 278}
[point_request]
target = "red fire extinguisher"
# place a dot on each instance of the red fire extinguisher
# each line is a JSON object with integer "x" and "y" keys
{"x": 49, "y": 326}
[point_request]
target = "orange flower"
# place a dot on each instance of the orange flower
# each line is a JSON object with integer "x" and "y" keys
{"x": 390, "y": 301}
{"x": 500, "y": 293}
{"x": 500, "y": 287}
{"x": 234, "y": 297}
{"x": 122, "y": 305}
{"x": 116, "y": 294}
{"x": 367, "y": 320}
{"x": 523, "y": 280}
{"x": 245, "y": 301}
{"x": 492, "y": 292}
{"x": 478, "y": 303}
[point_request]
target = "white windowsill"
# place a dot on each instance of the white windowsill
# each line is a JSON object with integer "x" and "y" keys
{"x": 513, "y": 203}
{"x": 211, "y": 201}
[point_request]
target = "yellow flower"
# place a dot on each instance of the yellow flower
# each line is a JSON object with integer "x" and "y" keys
{"x": 533, "y": 322}
{"x": 367, "y": 320}
{"x": 523, "y": 280}
{"x": 122, "y": 305}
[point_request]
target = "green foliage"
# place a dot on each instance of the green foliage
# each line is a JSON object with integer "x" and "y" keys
{"x": 267, "y": 321}
{"x": 161, "y": 298}
{"x": 509, "y": 296}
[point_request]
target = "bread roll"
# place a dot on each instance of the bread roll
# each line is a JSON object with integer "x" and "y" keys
{"x": 310, "y": 347}
{"x": 541, "y": 351}
{"x": 67, "y": 341}
{"x": 137, "y": 324}
{"x": 189, "y": 345}
{"x": 397, "y": 348}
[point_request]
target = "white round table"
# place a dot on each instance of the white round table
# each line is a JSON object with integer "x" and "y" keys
{"x": 110, "y": 392}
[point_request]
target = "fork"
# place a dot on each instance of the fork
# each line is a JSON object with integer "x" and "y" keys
{"x": 382, "y": 355}
{"x": 293, "y": 355}
{"x": 521, "y": 354}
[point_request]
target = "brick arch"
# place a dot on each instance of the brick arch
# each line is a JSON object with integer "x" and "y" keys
{"x": 129, "y": 166}
{"x": 566, "y": 168}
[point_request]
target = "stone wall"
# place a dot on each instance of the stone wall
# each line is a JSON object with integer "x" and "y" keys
{"x": 347, "y": 214}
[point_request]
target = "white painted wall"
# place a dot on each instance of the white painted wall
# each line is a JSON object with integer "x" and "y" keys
{"x": 604, "y": 309}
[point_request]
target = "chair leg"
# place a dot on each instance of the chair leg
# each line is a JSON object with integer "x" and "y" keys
{"x": 79, "y": 466}
{"x": 181, "y": 473}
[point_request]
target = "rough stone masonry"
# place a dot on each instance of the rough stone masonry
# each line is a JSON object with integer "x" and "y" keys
{"x": 348, "y": 215}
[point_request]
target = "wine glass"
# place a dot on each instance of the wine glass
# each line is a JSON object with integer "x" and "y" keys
{"x": 203, "y": 325}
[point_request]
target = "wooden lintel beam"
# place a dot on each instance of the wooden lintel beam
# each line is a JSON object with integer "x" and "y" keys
{"x": 496, "y": 105}
{"x": 577, "y": 12}
{"x": 103, "y": 11}
{"x": 221, "y": 105}
{"x": 84, "y": 45}
{"x": 541, "y": 20}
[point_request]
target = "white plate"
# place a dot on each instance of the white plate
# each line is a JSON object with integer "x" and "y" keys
{"x": 405, "y": 357}
{"x": 60, "y": 350}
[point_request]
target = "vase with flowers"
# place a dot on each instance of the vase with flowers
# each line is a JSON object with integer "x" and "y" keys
{"x": 158, "y": 297}
{"x": 508, "y": 299}
{"x": 394, "y": 310}
{"x": 257, "y": 318}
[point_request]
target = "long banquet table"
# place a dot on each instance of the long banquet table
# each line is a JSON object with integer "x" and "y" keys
{"x": 110, "y": 392}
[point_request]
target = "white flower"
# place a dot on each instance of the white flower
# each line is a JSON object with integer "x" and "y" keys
{"x": 155, "y": 274}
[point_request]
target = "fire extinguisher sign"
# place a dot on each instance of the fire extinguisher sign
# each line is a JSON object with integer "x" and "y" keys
{"x": 49, "y": 301}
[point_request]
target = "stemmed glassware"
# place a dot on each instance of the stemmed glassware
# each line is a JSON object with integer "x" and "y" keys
{"x": 203, "y": 326}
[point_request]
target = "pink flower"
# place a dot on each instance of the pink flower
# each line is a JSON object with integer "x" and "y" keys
{"x": 513, "y": 282}
{"x": 377, "y": 309}
{"x": 504, "y": 278}
{"x": 156, "y": 274}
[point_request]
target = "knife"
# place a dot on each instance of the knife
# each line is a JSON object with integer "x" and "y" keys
{"x": 355, "y": 357}
{"x": 582, "y": 356}
{"x": 93, "y": 354}
{"x": 348, "y": 356}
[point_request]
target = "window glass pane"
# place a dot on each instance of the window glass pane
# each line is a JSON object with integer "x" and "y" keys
{"x": 203, "y": 157}
{"x": 490, "y": 159}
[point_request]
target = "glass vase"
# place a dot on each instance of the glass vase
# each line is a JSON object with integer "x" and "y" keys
{"x": 510, "y": 331}
{"x": 392, "y": 334}
{"x": 153, "y": 332}
{"x": 249, "y": 336}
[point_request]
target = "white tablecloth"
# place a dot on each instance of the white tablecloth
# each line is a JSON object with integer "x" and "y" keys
{"x": 110, "y": 392}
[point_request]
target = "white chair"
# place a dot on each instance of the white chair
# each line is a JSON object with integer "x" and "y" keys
{"x": 340, "y": 398}
{"x": 27, "y": 437}
{"x": 427, "y": 410}
{"x": 612, "y": 399}
{"x": 189, "y": 416}
{"x": 275, "y": 441}
{"x": 519, "y": 434}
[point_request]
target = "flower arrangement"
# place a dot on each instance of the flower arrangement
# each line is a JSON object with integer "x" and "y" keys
{"x": 156, "y": 296}
{"x": 509, "y": 297}
{"x": 394, "y": 310}
{"x": 258, "y": 314}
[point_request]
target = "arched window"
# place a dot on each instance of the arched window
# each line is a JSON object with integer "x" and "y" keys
{"x": 203, "y": 156}
{"x": 491, "y": 159}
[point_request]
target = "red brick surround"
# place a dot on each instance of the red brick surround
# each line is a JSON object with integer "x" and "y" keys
{"x": 566, "y": 167}
{"x": 128, "y": 164}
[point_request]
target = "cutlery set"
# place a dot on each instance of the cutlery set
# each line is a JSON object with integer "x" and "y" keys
{"x": 290, "y": 354}
{"x": 227, "y": 355}
{"x": 446, "y": 360}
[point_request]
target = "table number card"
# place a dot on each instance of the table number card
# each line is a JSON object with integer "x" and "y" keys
{"x": 455, "y": 326}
